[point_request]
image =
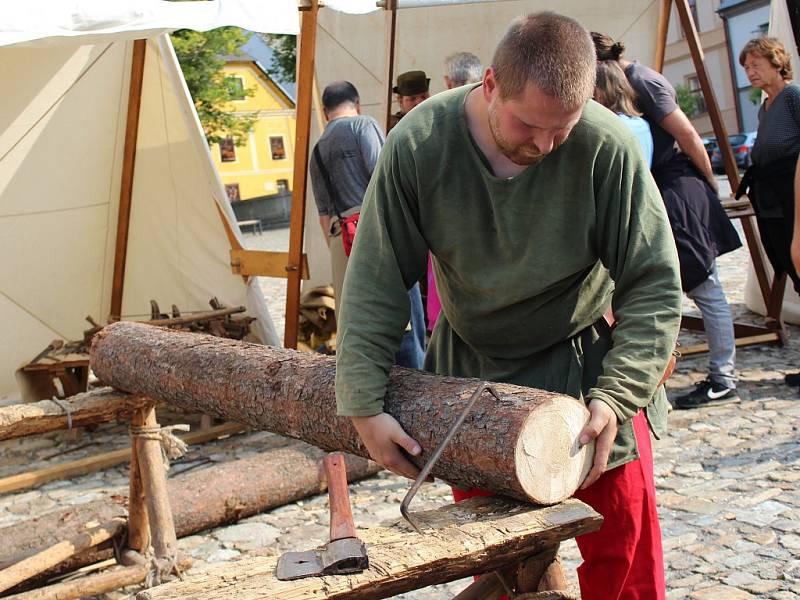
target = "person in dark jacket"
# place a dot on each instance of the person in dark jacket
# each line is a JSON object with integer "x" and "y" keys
{"x": 701, "y": 228}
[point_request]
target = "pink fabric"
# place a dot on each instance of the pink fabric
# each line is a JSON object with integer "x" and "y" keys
{"x": 624, "y": 559}
{"x": 434, "y": 307}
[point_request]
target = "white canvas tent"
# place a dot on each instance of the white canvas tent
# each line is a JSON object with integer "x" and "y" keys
{"x": 62, "y": 131}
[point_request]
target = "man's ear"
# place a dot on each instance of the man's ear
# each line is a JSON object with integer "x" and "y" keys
{"x": 447, "y": 83}
{"x": 489, "y": 84}
{"x": 358, "y": 106}
{"x": 325, "y": 113}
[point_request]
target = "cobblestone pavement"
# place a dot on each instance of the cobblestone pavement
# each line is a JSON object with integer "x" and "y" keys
{"x": 727, "y": 478}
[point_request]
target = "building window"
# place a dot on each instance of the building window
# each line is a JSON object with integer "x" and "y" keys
{"x": 227, "y": 150}
{"x": 276, "y": 147}
{"x": 283, "y": 185}
{"x": 694, "y": 86}
{"x": 238, "y": 88}
{"x": 232, "y": 189}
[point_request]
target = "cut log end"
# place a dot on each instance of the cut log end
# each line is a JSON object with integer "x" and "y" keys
{"x": 550, "y": 463}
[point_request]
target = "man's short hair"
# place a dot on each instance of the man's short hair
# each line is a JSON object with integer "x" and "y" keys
{"x": 551, "y": 51}
{"x": 339, "y": 92}
{"x": 463, "y": 68}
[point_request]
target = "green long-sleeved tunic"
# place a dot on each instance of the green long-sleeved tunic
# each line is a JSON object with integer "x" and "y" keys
{"x": 525, "y": 267}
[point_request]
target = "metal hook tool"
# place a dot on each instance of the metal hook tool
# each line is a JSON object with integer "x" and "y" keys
{"x": 426, "y": 470}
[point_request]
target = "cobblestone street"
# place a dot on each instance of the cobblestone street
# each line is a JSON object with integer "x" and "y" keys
{"x": 728, "y": 478}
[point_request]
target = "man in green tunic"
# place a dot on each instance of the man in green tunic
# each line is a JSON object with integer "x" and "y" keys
{"x": 540, "y": 214}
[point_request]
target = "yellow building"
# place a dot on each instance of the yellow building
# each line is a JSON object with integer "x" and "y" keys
{"x": 263, "y": 165}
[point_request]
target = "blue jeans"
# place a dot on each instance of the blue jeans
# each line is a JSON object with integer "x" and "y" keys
{"x": 710, "y": 299}
{"x": 412, "y": 347}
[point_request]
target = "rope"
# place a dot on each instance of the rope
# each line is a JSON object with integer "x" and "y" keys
{"x": 160, "y": 568}
{"x": 172, "y": 447}
{"x": 66, "y": 408}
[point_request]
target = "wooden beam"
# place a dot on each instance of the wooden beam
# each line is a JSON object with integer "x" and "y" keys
{"x": 471, "y": 537}
{"x": 661, "y": 35}
{"x": 87, "y": 408}
{"x": 305, "y": 85}
{"x": 126, "y": 186}
{"x": 265, "y": 263}
{"x": 390, "y": 33}
{"x": 751, "y": 340}
{"x": 102, "y": 461}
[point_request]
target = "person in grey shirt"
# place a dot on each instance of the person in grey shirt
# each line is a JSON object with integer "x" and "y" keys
{"x": 346, "y": 154}
{"x": 462, "y": 68}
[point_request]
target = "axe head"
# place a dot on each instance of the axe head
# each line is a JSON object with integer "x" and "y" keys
{"x": 339, "y": 557}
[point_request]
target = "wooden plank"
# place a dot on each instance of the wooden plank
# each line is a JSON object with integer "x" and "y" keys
{"x": 740, "y": 329}
{"x": 475, "y": 536}
{"x": 126, "y": 185}
{"x": 661, "y": 35}
{"x": 138, "y": 520}
{"x": 265, "y": 263}
{"x": 87, "y": 408}
{"x": 59, "y": 552}
{"x": 102, "y": 461}
{"x": 305, "y": 85}
{"x": 752, "y": 340}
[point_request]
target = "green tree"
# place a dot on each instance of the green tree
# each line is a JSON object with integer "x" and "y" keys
{"x": 201, "y": 56}
{"x": 687, "y": 100}
{"x": 284, "y": 58}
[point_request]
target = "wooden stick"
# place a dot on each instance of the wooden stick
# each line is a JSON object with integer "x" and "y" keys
{"x": 87, "y": 408}
{"x": 126, "y": 183}
{"x": 470, "y": 537}
{"x": 193, "y": 318}
{"x": 96, "y": 584}
{"x": 390, "y": 35}
{"x": 154, "y": 483}
{"x": 138, "y": 522}
{"x": 486, "y": 587}
{"x": 661, "y": 36}
{"x": 103, "y": 461}
{"x": 305, "y": 84}
{"x": 41, "y": 561}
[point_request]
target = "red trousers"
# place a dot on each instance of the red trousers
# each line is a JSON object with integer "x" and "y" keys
{"x": 623, "y": 560}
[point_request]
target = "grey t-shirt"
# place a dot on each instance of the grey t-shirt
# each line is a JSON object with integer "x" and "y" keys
{"x": 656, "y": 98}
{"x": 779, "y": 127}
{"x": 349, "y": 149}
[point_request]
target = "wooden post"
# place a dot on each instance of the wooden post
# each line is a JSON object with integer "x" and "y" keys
{"x": 138, "y": 522}
{"x": 154, "y": 482}
{"x": 731, "y": 169}
{"x": 126, "y": 187}
{"x": 391, "y": 34}
{"x": 661, "y": 36}
{"x": 305, "y": 84}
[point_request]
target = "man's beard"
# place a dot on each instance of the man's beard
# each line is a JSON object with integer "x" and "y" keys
{"x": 520, "y": 154}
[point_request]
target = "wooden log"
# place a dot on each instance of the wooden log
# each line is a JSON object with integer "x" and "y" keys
{"x": 241, "y": 488}
{"x": 154, "y": 483}
{"x": 87, "y": 408}
{"x": 470, "y": 537}
{"x": 95, "y": 584}
{"x": 59, "y": 552}
{"x": 106, "y": 460}
{"x": 523, "y": 445}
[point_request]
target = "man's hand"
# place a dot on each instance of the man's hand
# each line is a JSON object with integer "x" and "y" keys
{"x": 383, "y": 436}
{"x": 602, "y": 427}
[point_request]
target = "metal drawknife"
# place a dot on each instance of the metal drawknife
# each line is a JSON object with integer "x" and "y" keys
{"x": 344, "y": 553}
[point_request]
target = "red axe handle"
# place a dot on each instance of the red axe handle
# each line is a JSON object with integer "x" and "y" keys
{"x": 339, "y": 497}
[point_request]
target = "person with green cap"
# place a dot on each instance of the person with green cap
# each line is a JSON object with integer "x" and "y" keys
{"x": 412, "y": 88}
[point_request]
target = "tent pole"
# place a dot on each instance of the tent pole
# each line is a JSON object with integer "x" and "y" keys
{"x": 390, "y": 33}
{"x": 661, "y": 36}
{"x": 305, "y": 84}
{"x": 126, "y": 187}
{"x": 768, "y": 292}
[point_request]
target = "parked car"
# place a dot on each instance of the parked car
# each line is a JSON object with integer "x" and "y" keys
{"x": 742, "y": 145}
{"x": 710, "y": 144}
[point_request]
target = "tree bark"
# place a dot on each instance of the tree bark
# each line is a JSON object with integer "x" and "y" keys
{"x": 471, "y": 537}
{"x": 88, "y": 408}
{"x": 523, "y": 446}
{"x": 241, "y": 488}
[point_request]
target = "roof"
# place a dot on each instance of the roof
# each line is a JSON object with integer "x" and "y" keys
{"x": 256, "y": 50}
{"x": 727, "y": 5}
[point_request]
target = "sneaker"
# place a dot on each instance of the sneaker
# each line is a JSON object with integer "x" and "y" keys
{"x": 707, "y": 393}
